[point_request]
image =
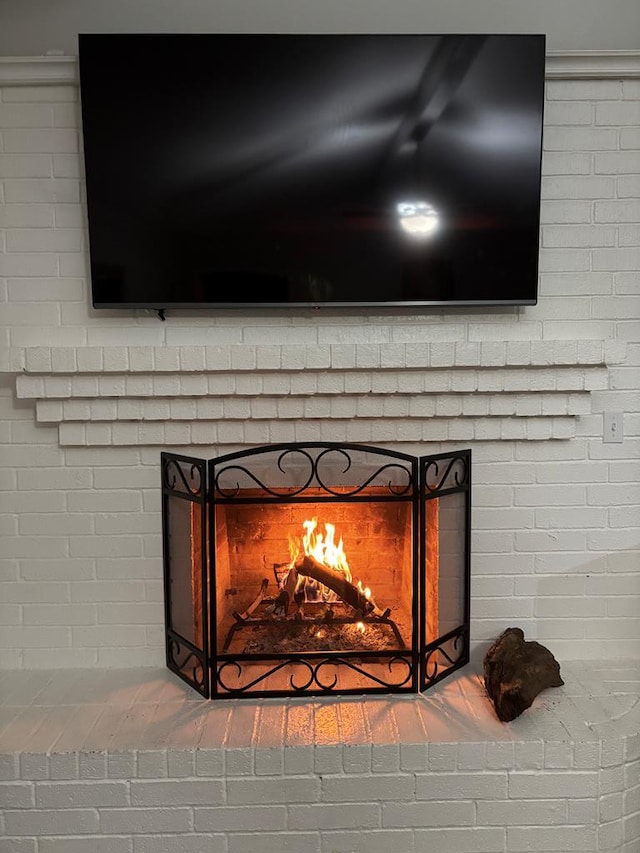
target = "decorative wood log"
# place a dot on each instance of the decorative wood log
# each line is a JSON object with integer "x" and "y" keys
{"x": 516, "y": 671}
{"x": 337, "y": 582}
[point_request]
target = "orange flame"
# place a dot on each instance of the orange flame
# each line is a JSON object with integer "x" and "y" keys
{"x": 324, "y": 548}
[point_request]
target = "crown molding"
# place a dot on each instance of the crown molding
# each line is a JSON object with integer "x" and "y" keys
{"x": 593, "y": 65}
{"x": 38, "y": 70}
{"x": 560, "y": 65}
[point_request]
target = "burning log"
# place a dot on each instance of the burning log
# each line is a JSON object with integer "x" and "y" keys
{"x": 336, "y": 581}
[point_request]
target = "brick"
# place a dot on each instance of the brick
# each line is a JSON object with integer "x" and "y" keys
{"x": 36, "y": 141}
{"x": 72, "y": 795}
{"x": 622, "y": 210}
{"x": 522, "y": 812}
{"x": 611, "y": 807}
{"x": 60, "y": 191}
{"x": 179, "y": 844}
{"x": 94, "y": 844}
{"x": 258, "y": 818}
{"x": 568, "y": 112}
{"x": 33, "y": 766}
{"x": 122, "y": 821}
{"x": 25, "y": 166}
{"x": 115, "y": 359}
{"x": 17, "y": 795}
{"x": 90, "y": 359}
{"x": 378, "y": 787}
{"x": 465, "y": 840}
{"x": 577, "y": 236}
{"x": 180, "y": 763}
{"x": 617, "y": 113}
{"x": 176, "y": 793}
{"x": 617, "y": 163}
{"x": 540, "y": 838}
{"x": 44, "y": 240}
{"x": 385, "y": 758}
{"x": 565, "y": 187}
{"x": 245, "y": 358}
{"x": 590, "y": 90}
{"x": 191, "y": 358}
{"x": 435, "y": 813}
{"x": 333, "y": 817}
{"x": 298, "y": 760}
{"x": 328, "y": 760}
{"x": 9, "y": 767}
{"x": 209, "y": 762}
{"x": 283, "y": 842}
{"x": 356, "y": 758}
{"x": 292, "y": 357}
{"x": 269, "y": 762}
{"x": 334, "y": 383}
{"x": 20, "y": 845}
{"x": 528, "y": 756}
{"x": 611, "y": 835}
{"x": 529, "y": 786}
{"x": 570, "y": 163}
{"x": 51, "y": 822}
{"x": 461, "y": 786}
{"x": 193, "y": 385}
{"x": 93, "y": 765}
{"x": 272, "y": 791}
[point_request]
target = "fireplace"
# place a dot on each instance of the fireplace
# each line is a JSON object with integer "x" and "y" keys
{"x": 316, "y": 569}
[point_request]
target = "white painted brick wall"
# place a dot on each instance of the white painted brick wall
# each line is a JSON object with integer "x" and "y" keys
{"x": 557, "y": 512}
{"x": 452, "y": 796}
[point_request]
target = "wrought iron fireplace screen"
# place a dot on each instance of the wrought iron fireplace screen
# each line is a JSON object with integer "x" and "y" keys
{"x": 316, "y": 568}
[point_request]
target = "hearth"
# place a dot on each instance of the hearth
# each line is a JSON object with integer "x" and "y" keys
{"x": 316, "y": 569}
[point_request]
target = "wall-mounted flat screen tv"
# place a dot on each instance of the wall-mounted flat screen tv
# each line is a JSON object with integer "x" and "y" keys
{"x": 283, "y": 170}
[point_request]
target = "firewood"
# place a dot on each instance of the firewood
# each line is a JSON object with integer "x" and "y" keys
{"x": 335, "y": 581}
{"x": 287, "y": 593}
{"x": 516, "y": 671}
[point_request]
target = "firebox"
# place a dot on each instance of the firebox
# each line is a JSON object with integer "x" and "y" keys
{"x": 316, "y": 569}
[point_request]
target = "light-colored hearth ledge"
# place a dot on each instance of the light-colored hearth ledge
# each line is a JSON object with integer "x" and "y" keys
{"x": 133, "y": 761}
{"x": 110, "y": 710}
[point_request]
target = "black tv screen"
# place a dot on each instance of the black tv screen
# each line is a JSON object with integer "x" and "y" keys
{"x": 281, "y": 170}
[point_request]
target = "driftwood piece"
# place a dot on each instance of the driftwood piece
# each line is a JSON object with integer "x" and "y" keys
{"x": 335, "y": 581}
{"x": 516, "y": 671}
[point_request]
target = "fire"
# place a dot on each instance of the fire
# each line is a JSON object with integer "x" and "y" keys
{"x": 322, "y": 547}
{"x": 364, "y": 590}
{"x": 326, "y": 548}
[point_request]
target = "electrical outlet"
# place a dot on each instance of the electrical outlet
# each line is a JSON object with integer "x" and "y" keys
{"x": 613, "y": 432}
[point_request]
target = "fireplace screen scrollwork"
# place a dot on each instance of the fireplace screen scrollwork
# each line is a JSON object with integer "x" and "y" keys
{"x": 316, "y": 569}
